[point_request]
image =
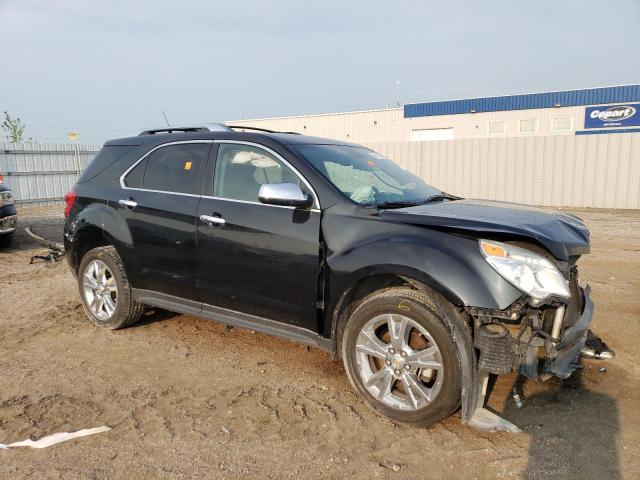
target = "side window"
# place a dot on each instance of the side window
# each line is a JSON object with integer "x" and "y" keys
{"x": 135, "y": 176}
{"x": 175, "y": 168}
{"x": 241, "y": 170}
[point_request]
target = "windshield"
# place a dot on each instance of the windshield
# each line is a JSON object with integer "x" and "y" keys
{"x": 366, "y": 177}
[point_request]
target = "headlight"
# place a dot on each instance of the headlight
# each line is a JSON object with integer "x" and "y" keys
{"x": 6, "y": 198}
{"x": 530, "y": 272}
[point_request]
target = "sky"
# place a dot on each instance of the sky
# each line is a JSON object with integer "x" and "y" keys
{"x": 108, "y": 68}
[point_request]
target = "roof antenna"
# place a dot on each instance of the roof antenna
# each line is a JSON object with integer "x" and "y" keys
{"x": 165, "y": 118}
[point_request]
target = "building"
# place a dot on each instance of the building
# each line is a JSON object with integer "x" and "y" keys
{"x": 571, "y": 112}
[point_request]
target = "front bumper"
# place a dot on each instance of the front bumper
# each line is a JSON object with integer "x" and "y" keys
{"x": 535, "y": 350}
{"x": 561, "y": 355}
{"x": 8, "y": 224}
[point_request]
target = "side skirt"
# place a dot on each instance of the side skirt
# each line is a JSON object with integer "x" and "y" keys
{"x": 231, "y": 317}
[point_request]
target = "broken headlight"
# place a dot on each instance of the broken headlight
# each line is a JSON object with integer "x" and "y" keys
{"x": 533, "y": 274}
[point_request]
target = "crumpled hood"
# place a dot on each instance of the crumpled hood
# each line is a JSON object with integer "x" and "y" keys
{"x": 563, "y": 234}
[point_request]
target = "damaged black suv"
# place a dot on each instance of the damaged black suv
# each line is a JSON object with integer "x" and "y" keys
{"x": 421, "y": 294}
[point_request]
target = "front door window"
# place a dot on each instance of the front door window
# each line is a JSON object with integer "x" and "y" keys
{"x": 242, "y": 169}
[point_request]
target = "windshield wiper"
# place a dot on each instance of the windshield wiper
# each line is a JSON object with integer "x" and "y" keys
{"x": 405, "y": 203}
{"x": 398, "y": 204}
{"x": 441, "y": 196}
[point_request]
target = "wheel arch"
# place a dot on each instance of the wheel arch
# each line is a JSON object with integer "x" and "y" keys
{"x": 373, "y": 279}
{"x": 96, "y": 225}
{"x": 456, "y": 319}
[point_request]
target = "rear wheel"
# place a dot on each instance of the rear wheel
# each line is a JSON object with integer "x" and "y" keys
{"x": 399, "y": 355}
{"x": 105, "y": 291}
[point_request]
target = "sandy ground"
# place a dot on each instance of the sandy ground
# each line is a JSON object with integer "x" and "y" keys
{"x": 187, "y": 399}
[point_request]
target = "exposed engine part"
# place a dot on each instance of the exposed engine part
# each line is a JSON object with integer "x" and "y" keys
{"x": 513, "y": 313}
{"x": 557, "y": 323}
{"x": 516, "y": 393}
{"x": 495, "y": 345}
{"x": 517, "y": 399}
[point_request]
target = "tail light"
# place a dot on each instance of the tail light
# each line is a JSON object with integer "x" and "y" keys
{"x": 69, "y": 199}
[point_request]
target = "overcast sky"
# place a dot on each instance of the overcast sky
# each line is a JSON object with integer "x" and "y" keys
{"x": 109, "y": 67}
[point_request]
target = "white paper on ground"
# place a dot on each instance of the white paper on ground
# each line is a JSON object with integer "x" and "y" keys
{"x": 49, "y": 440}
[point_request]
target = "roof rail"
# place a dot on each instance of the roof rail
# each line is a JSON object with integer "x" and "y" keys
{"x": 207, "y": 127}
{"x": 242, "y": 127}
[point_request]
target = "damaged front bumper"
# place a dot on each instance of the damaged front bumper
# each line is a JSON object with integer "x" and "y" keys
{"x": 560, "y": 352}
{"x": 562, "y": 355}
{"x": 533, "y": 348}
{"x": 535, "y": 341}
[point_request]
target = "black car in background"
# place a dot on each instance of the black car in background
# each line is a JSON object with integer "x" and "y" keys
{"x": 8, "y": 215}
{"x": 421, "y": 294}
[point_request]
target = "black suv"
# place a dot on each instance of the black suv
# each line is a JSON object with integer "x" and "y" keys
{"x": 422, "y": 294}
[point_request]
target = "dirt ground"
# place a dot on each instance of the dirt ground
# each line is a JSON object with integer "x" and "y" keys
{"x": 187, "y": 399}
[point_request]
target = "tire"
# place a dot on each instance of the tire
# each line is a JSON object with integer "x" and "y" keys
{"x": 6, "y": 240}
{"x": 122, "y": 310}
{"x": 415, "y": 394}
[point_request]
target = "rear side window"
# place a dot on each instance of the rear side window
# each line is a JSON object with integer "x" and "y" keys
{"x": 106, "y": 157}
{"x": 135, "y": 176}
{"x": 174, "y": 168}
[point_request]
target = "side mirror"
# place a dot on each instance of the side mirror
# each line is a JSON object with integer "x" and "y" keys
{"x": 284, "y": 194}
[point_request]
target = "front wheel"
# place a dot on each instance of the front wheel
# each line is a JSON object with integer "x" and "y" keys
{"x": 399, "y": 355}
{"x": 6, "y": 240}
{"x": 105, "y": 291}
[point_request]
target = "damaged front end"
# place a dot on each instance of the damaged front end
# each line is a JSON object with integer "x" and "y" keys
{"x": 540, "y": 335}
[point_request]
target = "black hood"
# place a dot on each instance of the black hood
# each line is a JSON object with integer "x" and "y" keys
{"x": 563, "y": 234}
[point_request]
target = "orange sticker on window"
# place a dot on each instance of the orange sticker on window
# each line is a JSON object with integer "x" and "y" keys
{"x": 187, "y": 165}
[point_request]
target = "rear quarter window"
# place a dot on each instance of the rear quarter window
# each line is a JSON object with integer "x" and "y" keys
{"x": 106, "y": 157}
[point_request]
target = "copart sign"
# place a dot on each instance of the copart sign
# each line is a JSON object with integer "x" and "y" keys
{"x": 612, "y": 116}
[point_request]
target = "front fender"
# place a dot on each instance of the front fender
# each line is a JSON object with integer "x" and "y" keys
{"x": 450, "y": 264}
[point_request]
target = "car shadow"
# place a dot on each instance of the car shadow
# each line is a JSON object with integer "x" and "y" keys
{"x": 573, "y": 430}
{"x": 153, "y": 315}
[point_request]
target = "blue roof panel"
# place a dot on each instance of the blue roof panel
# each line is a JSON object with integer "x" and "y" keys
{"x": 569, "y": 98}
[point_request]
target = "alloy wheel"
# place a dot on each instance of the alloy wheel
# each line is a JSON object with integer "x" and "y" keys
{"x": 100, "y": 290}
{"x": 399, "y": 362}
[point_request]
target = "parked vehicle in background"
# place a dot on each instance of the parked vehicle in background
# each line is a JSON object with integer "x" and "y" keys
{"x": 420, "y": 293}
{"x": 8, "y": 215}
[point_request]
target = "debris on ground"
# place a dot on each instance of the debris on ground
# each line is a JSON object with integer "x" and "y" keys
{"x": 55, "y": 438}
{"x": 50, "y": 257}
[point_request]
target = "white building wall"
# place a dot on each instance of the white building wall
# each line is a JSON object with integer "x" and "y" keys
{"x": 597, "y": 171}
{"x": 389, "y": 125}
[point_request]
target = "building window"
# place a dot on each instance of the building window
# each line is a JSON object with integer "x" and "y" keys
{"x": 562, "y": 124}
{"x": 497, "y": 127}
{"x": 529, "y": 125}
{"x": 431, "y": 134}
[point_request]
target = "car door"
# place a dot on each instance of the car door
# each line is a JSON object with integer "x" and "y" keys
{"x": 160, "y": 200}
{"x": 257, "y": 259}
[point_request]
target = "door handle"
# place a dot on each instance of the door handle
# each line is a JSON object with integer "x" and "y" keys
{"x": 212, "y": 220}
{"x": 128, "y": 203}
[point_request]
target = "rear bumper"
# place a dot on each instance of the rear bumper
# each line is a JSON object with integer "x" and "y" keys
{"x": 561, "y": 355}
